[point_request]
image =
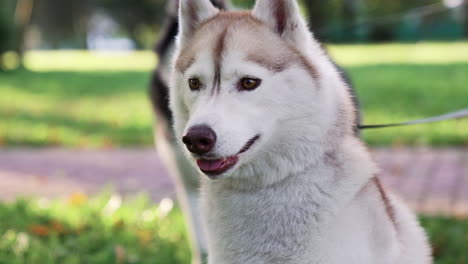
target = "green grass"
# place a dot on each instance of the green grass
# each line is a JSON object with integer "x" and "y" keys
{"x": 441, "y": 53}
{"x": 104, "y": 230}
{"x": 75, "y": 109}
{"x": 97, "y": 230}
{"x": 89, "y": 61}
{"x": 448, "y": 238}
{"x": 88, "y": 100}
{"x": 396, "y": 93}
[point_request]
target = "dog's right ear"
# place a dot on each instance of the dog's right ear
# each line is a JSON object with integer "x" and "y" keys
{"x": 191, "y": 14}
{"x": 283, "y": 17}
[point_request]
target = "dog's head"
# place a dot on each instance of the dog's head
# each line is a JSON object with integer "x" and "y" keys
{"x": 251, "y": 89}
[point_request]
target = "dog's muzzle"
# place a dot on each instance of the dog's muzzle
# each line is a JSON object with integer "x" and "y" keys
{"x": 216, "y": 166}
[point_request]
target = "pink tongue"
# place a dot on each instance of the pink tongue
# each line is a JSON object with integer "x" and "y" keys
{"x": 209, "y": 165}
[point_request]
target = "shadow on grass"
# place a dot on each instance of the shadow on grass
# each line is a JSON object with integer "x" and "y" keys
{"x": 77, "y": 84}
{"x": 110, "y": 134}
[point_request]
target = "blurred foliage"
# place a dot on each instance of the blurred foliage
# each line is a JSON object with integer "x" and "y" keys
{"x": 7, "y": 29}
{"x": 7, "y": 10}
{"x": 375, "y": 20}
{"x": 64, "y": 24}
{"x": 103, "y": 229}
{"x": 378, "y": 20}
{"x": 137, "y": 17}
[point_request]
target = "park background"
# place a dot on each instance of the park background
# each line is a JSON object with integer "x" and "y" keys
{"x": 74, "y": 78}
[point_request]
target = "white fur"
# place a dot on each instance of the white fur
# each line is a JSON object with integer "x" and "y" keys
{"x": 187, "y": 189}
{"x": 304, "y": 192}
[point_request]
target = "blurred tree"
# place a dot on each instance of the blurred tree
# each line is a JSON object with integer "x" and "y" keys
{"x": 465, "y": 17}
{"x": 7, "y": 28}
{"x": 317, "y": 16}
{"x": 351, "y": 10}
{"x": 385, "y": 16}
{"x": 63, "y": 23}
{"x": 66, "y": 23}
{"x": 137, "y": 17}
{"x": 23, "y": 13}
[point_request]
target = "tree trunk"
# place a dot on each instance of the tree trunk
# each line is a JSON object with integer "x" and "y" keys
{"x": 22, "y": 19}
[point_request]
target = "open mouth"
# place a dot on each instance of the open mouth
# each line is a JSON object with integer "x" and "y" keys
{"x": 213, "y": 167}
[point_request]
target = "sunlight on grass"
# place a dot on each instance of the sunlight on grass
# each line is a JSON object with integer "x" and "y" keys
{"x": 86, "y": 110}
{"x": 102, "y": 229}
{"x": 346, "y": 55}
{"x": 81, "y": 60}
{"x": 397, "y": 53}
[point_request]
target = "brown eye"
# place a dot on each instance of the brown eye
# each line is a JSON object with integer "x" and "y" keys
{"x": 249, "y": 83}
{"x": 194, "y": 84}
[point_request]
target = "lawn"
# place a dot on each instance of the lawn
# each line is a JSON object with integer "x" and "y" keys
{"x": 99, "y": 100}
{"x": 98, "y": 230}
{"x": 105, "y": 229}
{"x": 75, "y": 109}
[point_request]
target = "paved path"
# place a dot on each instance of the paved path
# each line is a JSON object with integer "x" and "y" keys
{"x": 431, "y": 181}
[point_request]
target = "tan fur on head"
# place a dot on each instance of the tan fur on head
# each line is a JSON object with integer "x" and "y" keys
{"x": 244, "y": 29}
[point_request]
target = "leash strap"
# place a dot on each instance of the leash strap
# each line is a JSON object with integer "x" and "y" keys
{"x": 453, "y": 115}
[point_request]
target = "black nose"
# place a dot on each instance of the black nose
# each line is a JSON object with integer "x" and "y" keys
{"x": 200, "y": 139}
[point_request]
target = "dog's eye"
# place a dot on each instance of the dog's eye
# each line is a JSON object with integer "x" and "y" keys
{"x": 194, "y": 84}
{"x": 249, "y": 83}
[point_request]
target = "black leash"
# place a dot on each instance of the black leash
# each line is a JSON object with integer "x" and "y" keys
{"x": 453, "y": 115}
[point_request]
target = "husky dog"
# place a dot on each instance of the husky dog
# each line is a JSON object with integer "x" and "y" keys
{"x": 184, "y": 174}
{"x": 268, "y": 120}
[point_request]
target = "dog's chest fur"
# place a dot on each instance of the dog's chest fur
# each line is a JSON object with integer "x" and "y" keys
{"x": 264, "y": 226}
{"x": 318, "y": 216}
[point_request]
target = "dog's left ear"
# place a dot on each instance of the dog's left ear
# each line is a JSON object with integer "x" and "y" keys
{"x": 283, "y": 17}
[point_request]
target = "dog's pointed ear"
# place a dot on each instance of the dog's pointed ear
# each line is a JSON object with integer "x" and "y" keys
{"x": 191, "y": 14}
{"x": 283, "y": 16}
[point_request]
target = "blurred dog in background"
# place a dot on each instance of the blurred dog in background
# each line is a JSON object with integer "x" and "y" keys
{"x": 185, "y": 176}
